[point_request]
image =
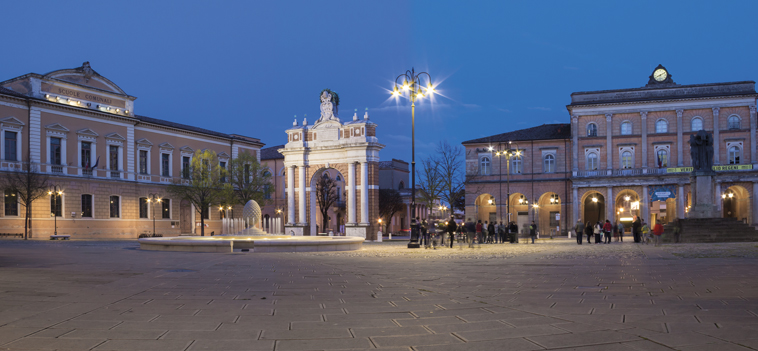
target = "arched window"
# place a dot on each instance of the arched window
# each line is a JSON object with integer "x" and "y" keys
{"x": 549, "y": 164}
{"x": 325, "y": 176}
{"x": 401, "y": 186}
{"x": 516, "y": 165}
{"x": 592, "y": 130}
{"x": 339, "y": 179}
{"x": 11, "y": 203}
{"x": 696, "y": 124}
{"x": 626, "y": 128}
{"x": 733, "y": 122}
{"x": 592, "y": 162}
{"x": 484, "y": 166}
{"x": 661, "y": 126}
{"x": 734, "y": 155}
{"x": 626, "y": 159}
{"x": 663, "y": 158}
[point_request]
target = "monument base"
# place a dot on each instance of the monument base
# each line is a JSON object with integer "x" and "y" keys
{"x": 357, "y": 230}
{"x": 297, "y": 229}
{"x": 702, "y": 183}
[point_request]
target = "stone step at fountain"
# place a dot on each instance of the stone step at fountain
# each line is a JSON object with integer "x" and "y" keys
{"x": 711, "y": 230}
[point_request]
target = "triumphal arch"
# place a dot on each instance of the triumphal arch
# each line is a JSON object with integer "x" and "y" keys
{"x": 352, "y": 149}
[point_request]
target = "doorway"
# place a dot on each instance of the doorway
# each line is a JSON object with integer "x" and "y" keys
{"x": 185, "y": 217}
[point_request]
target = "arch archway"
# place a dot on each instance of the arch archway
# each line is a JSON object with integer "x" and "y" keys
{"x": 626, "y": 205}
{"x": 736, "y": 203}
{"x": 335, "y": 212}
{"x": 486, "y": 208}
{"x": 518, "y": 206}
{"x": 549, "y": 213}
{"x": 593, "y": 207}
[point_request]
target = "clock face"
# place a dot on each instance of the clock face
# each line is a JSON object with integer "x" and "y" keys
{"x": 660, "y": 74}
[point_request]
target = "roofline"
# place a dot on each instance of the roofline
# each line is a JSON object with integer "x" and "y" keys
{"x": 484, "y": 142}
{"x": 660, "y": 88}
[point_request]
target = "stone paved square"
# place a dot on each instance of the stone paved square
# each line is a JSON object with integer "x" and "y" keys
{"x": 109, "y": 295}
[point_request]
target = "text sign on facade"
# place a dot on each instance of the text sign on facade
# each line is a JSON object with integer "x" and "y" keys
{"x": 715, "y": 168}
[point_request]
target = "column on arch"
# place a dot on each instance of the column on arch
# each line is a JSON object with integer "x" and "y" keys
{"x": 608, "y": 142}
{"x": 301, "y": 194}
{"x": 643, "y": 124}
{"x": 717, "y": 197}
{"x": 610, "y": 206}
{"x": 753, "y": 142}
{"x": 716, "y": 138}
{"x": 574, "y": 145}
{"x": 575, "y": 203}
{"x": 290, "y": 194}
{"x": 645, "y": 205}
{"x": 680, "y": 202}
{"x": 364, "y": 193}
{"x": 351, "y": 193}
{"x": 679, "y": 130}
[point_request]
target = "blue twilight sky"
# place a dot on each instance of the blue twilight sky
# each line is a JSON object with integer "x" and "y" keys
{"x": 249, "y": 67}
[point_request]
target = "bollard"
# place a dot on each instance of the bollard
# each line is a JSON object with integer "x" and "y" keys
{"x": 390, "y": 236}
{"x": 231, "y": 245}
{"x": 379, "y": 236}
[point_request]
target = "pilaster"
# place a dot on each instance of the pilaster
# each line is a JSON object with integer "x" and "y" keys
{"x": 574, "y": 144}
{"x": 716, "y": 138}
{"x": 753, "y": 142}
{"x": 643, "y": 116}
{"x": 679, "y": 149}
{"x": 609, "y": 143}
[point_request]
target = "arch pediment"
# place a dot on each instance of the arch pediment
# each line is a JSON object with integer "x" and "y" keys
{"x": 86, "y": 76}
{"x": 12, "y": 121}
{"x": 326, "y": 125}
{"x": 87, "y": 131}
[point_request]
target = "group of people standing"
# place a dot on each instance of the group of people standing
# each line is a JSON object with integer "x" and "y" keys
{"x": 473, "y": 233}
{"x": 604, "y": 231}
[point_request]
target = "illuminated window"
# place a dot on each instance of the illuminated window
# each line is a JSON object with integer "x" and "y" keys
{"x": 592, "y": 130}
{"x": 143, "y": 207}
{"x": 56, "y": 205}
{"x": 663, "y": 158}
{"x": 661, "y": 126}
{"x": 86, "y": 206}
{"x": 626, "y": 128}
{"x": 115, "y": 206}
{"x": 166, "y": 208}
{"x": 626, "y": 159}
{"x": 11, "y": 203}
{"x": 696, "y": 124}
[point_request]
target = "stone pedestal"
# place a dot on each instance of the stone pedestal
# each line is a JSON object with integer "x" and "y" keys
{"x": 703, "y": 206}
{"x": 297, "y": 230}
{"x": 359, "y": 230}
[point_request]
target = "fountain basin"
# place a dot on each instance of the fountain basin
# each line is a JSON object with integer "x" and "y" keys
{"x": 263, "y": 243}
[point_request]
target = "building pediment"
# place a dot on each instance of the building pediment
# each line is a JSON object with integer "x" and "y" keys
{"x": 166, "y": 146}
{"x": 115, "y": 136}
{"x": 57, "y": 127}
{"x": 144, "y": 142}
{"x": 187, "y": 150}
{"x": 87, "y": 132}
{"x": 11, "y": 121}
{"x": 326, "y": 125}
{"x": 223, "y": 155}
{"x": 85, "y": 76}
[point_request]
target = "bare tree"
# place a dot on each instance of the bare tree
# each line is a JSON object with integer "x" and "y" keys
{"x": 203, "y": 186}
{"x": 451, "y": 170}
{"x": 429, "y": 182}
{"x": 390, "y": 202}
{"x": 249, "y": 179}
{"x": 326, "y": 196}
{"x": 29, "y": 185}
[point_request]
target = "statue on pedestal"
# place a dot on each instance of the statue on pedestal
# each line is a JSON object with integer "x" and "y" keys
{"x": 328, "y": 106}
{"x": 702, "y": 177}
{"x": 701, "y": 151}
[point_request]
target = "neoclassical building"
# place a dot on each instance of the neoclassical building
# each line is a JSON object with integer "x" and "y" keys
{"x": 628, "y": 154}
{"x": 82, "y": 130}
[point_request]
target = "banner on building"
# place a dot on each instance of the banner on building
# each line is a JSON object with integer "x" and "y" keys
{"x": 715, "y": 168}
{"x": 662, "y": 192}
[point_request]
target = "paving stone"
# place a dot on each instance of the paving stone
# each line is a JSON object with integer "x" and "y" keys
{"x": 323, "y": 344}
{"x": 584, "y": 339}
{"x": 416, "y": 340}
{"x": 232, "y": 345}
{"x": 140, "y": 345}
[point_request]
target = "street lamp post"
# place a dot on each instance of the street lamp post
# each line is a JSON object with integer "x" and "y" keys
{"x": 55, "y": 192}
{"x": 154, "y": 200}
{"x": 411, "y": 84}
{"x": 508, "y": 154}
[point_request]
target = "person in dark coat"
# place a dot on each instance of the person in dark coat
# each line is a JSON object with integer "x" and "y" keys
{"x": 579, "y": 229}
{"x": 533, "y": 231}
{"x": 514, "y": 232}
{"x": 636, "y": 226}
{"x": 491, "y": 232}
{"x": 470, "y": 230}
{"x": 425, "y": 234}
{"x": 588, "y": 230}
{"x": 451, "y": 227}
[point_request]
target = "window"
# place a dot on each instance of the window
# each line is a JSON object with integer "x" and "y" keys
{"x": 338, "y": 178}
{"x": 143, "y": 161}
{"x": 626, "y": 159}
{"x": 165, "y": 158}
{"x": 549, "y": 164}
{"x": 733, "y": 122}
{"x": 484, "y": 166}
{"x": 663, "y": 158}
{"x": 86, "y": 154}
{"x": 143, "y": 207}
{"x": 56, "y": 205}
{"x": 734, "y": 155}
{"x": 10, "y": 146}
{"x": 113, "y": 152}
{"x": 223, "y": 171}
{"x": 247, "y": 174}
{"x": 206, "y": 213}
{"x": 55, "y": 151}
{"x": 516, "y": 165}
{"x": 267, "y": 191}
{"x": 86, "y": 206}
{"x": 11, "y": 202}
{"x": 592, "y": 162}
{"x": 115, "y": 206}
{"x": 185, "y": 167}
{"x": 592, "y": 130}
{"x": 166, "y": 208}
{"x": 661, "y": 126}
{"x": 626, "y": 128}
{"x": 696, "y": 124}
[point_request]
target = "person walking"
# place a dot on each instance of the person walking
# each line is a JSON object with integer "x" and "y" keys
{"x": 425, "y": 234}
{"x": 645, "y": 233}
{"x": 451, "y": 228}
{"x": 533, "y": 231}
{"x": 501, "y": 232}
{"x": 579, "y": 229}
{"x": 657, "y": 232}
{"x": 491, "y": 233}
{"x": 470, "y": 232}
{"x": 636, "y": 226}
{"x": 620, "y": 232}
{"x": 588, "y": 230}
{"x": 478, "y": 237}
{"x": 607, "y": 229}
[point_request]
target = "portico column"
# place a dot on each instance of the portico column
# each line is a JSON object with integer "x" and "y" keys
{"x": 290, "y": 195}
{"x": 610, "y": 205}
{"x": 351, "y": 193}
{"x": 753, "y": 143}
{"x": 679, "y": 149}
{"x": 575, "y": 144}
{"x": 364, "y": 193}
{"x": 716, "y": 139}
{"x": 643, "y": 116}
{"x": 680, "y": 202}
{"x": 755, "y": 203}
{"x": 575, "y": 202}
{"x": 608, "y": 143}
{"x": 645, "y": 205}
{"x": 718, "y": 196}
{"x": 301, "y": 194}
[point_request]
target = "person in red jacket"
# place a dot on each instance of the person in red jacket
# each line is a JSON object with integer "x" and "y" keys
{"x": 479, "y": 232}
{"x": 607, "y": 228}
{"x": 657, "y": 232}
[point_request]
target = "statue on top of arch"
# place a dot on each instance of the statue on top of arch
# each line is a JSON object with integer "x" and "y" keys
{"x": 329, "y": 106}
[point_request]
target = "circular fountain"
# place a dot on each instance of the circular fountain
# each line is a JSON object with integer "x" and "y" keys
{"x": 252, "y": 239}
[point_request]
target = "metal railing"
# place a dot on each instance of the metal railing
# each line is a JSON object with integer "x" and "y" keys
{"x": 115, "y": 174}
{"x": 56, "y": 169}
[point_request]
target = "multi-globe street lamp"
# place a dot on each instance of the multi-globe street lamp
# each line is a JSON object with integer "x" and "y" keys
{"x": 412, "y": 87}
{"x": 508, "y": 154}
{"x": 55, "y": 192}
{"x": 155, "y": 199}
